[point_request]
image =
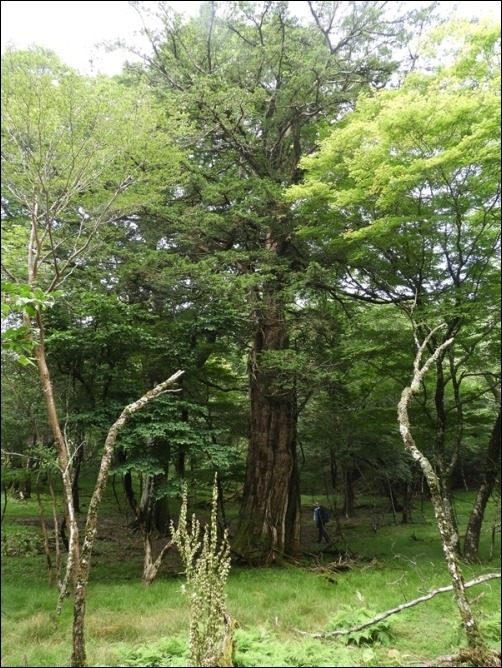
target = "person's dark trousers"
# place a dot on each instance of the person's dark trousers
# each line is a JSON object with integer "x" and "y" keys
{"x": 322, "y": 533}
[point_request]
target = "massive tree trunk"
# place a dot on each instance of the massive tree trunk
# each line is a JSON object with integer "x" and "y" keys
{"x": 492, "y": 464}
{"x": 270, "y": 514}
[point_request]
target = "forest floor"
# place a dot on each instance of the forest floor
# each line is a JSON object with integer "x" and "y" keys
{"x": 117, "y": 539}
{"x": 373, "y": 565}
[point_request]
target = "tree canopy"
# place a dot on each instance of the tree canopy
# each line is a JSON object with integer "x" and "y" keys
{"x": 265, "y": 202}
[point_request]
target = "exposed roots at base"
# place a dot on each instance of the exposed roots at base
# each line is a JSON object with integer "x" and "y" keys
{"x": 471, "y": 657}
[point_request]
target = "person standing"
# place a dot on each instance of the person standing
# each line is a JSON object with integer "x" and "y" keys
{"x": 321, "y": 517}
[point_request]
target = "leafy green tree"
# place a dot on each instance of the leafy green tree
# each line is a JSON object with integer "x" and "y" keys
{"x": 71, "y": 148}
{"x": 111, "y": 344}
{"x": 405, "y": 192}
{"x": 76, "y": 154}
{"x": 255, "y": 84}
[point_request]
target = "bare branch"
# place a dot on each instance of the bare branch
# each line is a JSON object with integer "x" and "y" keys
{"x": 399, "y": 608}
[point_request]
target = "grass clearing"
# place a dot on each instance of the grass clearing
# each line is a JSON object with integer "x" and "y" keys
{"x": 129, "y": 624}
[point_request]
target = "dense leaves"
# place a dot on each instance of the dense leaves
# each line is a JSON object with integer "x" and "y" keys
{"x": 268, "y": 203}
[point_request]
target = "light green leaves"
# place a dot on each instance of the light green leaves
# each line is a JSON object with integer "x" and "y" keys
{"x": 77, "y": 154}
{"x": 404, "y": 154}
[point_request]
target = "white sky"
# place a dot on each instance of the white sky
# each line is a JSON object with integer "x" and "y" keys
{"x": 73, "y": 29}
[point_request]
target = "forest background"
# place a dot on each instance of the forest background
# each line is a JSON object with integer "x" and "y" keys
{"x": 273, "y": 215}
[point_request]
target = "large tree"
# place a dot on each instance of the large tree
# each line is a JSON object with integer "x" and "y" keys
{"x": 255, "y": 83}
{"x": 406, "y": 193}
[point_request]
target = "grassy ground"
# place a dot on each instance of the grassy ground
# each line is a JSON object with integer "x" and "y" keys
{"x": 128, "y": 624}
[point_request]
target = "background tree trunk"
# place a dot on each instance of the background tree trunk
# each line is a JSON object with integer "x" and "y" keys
{"x": 492, "y": 465}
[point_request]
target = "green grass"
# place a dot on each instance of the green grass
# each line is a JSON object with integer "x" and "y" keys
{"x": 128, "y": 624}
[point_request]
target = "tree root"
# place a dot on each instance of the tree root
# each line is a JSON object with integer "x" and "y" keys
{"x": 471, "y": 657}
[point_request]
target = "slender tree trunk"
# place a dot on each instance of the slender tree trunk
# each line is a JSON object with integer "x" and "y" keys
{"x": 56, "y": 534}
{"x": 407, "y": 502}
{"x": 77, "y": 466}
{"x": 61, "y": 449}
{"x": 45, "y": 531}
{"x": 480, "y": 655}
{"x": 269, "y": 524}
{"x": 78, "y": 657}
{"x": 445, "y": 471}
{"x": 146, "y": 516}
{"x": 348, "y": 493}
{"x": 147, "y": 504}
{"x": 151, "y": 566}
{"x": 180, "y": 461}
{"x": 492, "y": 464}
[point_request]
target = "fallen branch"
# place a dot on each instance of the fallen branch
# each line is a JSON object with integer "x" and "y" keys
{"x": 403, "y": 606}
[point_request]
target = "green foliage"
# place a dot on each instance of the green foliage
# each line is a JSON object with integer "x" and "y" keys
{"x": 21, "y": 543}
{"x": 72, "y": 146}
{"x": 16, "y": 298}
{"x": 261, "y": 647}
{"x": 490, "y": 629}
{"x": 207, "y": 566}
{"x": 404, "y": 192}
{"x": 163, "y": 652}
{"x": 437, "y": 134}
{"x": 254, "y": 647}
{"x": 346, "y": 618}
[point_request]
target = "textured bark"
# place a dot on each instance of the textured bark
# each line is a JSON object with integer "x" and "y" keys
{"x": 78, "y": 657}
{"x": 269, "y": 523}
{"x": 407, "y": 502}
{"x": 61, "y": 450}
{"x": 145, "y": 516}
{"x": 45, "y": 532}
{"x": 77, "y": 465}
{"x": 441, "y": 511}
{"x": 492, "y": 464}
{"x": 349, "y": 496}
{"x": 151, "y": 566}
{"x": 445, "y": 469}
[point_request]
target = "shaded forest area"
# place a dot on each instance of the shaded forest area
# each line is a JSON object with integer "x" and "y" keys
{"x": 270, "y": 251}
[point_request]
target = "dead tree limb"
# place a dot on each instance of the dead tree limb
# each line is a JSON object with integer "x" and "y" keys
{"x": 78, "y": 657}
{"x": 399, "y": 608}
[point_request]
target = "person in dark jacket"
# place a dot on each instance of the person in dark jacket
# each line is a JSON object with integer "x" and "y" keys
{"x": 320, "y": 518}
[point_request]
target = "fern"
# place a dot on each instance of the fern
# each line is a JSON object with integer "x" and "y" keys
{"x": 490, "y": 629}
{"x": 260, "y": 647}
{"x": 347, "y": 618}
{"x": 164, "y": 652}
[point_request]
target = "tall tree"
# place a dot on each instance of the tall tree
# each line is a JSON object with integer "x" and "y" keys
{"x": 75, "y": 155}
{"x": 478, "y": 653}
{"x": 406, "y": 193}
{"x": 255, "y": 83}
